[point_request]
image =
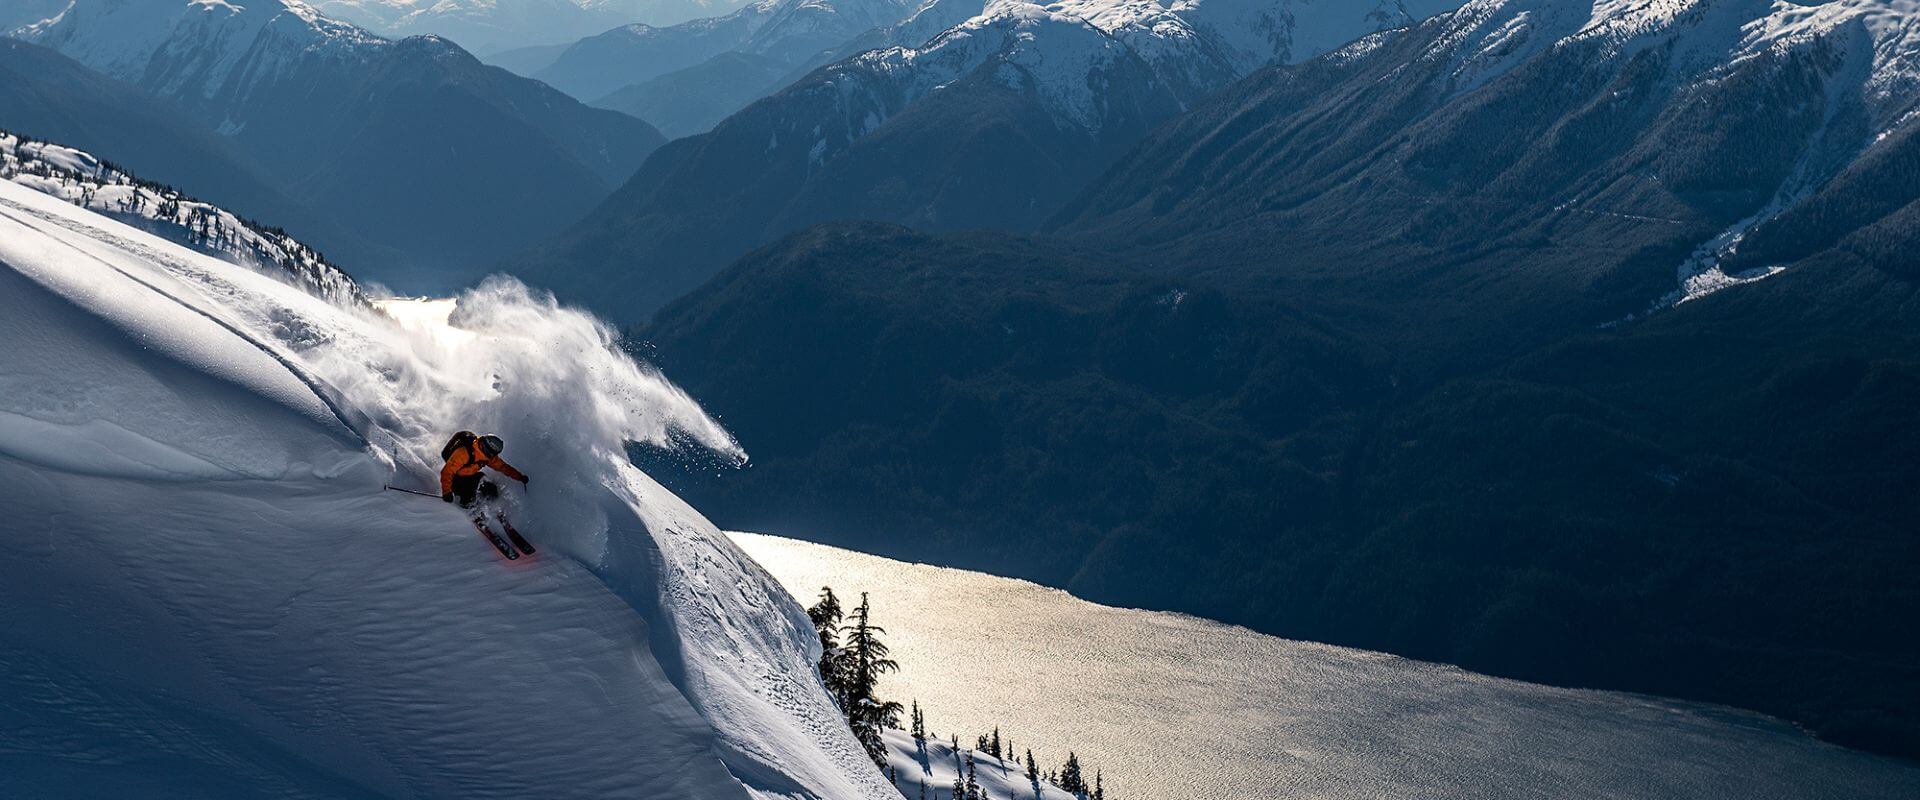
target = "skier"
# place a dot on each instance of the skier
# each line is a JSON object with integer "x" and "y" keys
{"x": 466, "y": 455}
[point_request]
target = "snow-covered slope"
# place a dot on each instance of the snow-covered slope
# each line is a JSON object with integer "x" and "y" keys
{"x": 79, "y": 178}
{"x": 928, "y": 770}
{"x": 208, "y": 594}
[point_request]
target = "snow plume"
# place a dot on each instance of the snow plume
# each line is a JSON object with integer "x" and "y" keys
{"x": 501, "y": 358}
{"x": 504, "y": 359}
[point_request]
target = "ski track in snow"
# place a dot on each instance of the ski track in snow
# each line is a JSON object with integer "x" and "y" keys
{"x": 210, "y": 595}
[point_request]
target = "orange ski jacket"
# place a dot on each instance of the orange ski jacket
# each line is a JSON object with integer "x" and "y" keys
{"x": 470, "y": 460}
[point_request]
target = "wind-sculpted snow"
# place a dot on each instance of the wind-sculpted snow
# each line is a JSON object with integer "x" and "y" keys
{"x": 184, "y": 446}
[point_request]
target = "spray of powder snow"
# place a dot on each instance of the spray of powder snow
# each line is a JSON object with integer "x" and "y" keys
{"x": 503, "y": 359}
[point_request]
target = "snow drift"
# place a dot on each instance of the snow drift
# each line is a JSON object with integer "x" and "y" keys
{"x": 209, "y": 594}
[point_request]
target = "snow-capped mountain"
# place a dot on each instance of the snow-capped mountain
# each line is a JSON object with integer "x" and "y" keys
{"x": 485, "y": 161}
{"x": 198, "y": 453}
{"x": 1684, "y": 123}
{"x": 994, "y": 122}
{"x": 79, "y": 178}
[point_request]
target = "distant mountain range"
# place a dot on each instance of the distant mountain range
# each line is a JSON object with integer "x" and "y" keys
{"x": 413, "y": 145}
{"x": 487, "y": 27}
{"x": 787, "y": 31}
{"x": 993, "y": 122}
{"x": 1562, "y": 340}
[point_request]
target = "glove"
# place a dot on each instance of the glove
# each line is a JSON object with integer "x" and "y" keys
{"x": 447, "y": 497}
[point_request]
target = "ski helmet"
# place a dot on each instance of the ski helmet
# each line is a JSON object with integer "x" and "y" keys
{"x": 491, "y": 444}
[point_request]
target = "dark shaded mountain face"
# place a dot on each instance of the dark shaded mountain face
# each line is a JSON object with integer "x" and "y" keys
{"x": 51, "y": 97}
{"x": 1579, "y": 350}
{"x": 412, "y": 144}
{"x": 693, "y": 100}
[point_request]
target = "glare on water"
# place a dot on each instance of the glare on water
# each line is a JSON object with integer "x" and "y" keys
{"x": 1178, "y": 708}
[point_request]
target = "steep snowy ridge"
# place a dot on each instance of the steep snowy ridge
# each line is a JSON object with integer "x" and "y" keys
{"x": 88, "y": 182}
{"x": 184, "y": 442}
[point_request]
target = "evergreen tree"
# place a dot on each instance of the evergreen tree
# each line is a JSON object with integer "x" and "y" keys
{"x": 993, "y": 747}
{"x": 973, "y": 785}
{"x": 1099, "y": 787}
{"x": 826, "y": 616}
{"x": 1070, "y": 779}
{"x": 919, "y": 724}
{"x": 866, "y": 660}
{"x": 1033, "y": 770}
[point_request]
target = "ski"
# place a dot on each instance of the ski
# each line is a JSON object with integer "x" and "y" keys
{"x": 518, "y": 540}
{"x": 498, "y": 543}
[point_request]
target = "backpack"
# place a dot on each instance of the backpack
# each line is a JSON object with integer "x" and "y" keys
{"x": 459, "y": 441}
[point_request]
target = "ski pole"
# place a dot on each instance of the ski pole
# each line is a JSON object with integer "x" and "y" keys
{"x": 410, "y": 491}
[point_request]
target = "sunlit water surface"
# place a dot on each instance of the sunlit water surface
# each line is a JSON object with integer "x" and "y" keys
{"x": 1178, "y": 708}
